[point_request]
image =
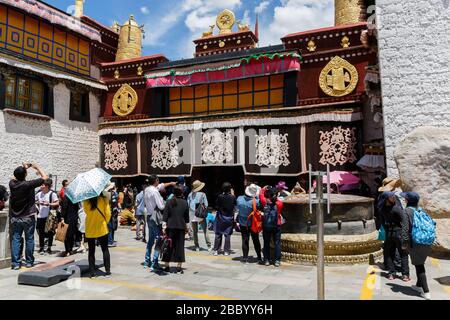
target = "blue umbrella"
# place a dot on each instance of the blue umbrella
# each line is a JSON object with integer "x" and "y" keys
{"x": 87, "y": 185}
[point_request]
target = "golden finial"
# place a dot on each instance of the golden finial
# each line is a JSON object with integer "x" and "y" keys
{"x": 311, "y": 46}
{"x": 116, "y": 74}
{"x": 130, "y": 40}
{"x": 140, "y": 71}
{"x": 209, "y": 33}
{"x": 347, "y": 11}
{"x": 242, "y": 27}
{"x": 225, "y": 21}
{"x": 79, "y": 4}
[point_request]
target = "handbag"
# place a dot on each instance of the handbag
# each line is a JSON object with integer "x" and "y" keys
{"x": 382, "y": 234}
{"x": 61, "y": 232}
{"x": 201, "y": 211}
{"x": 51, "y": 224}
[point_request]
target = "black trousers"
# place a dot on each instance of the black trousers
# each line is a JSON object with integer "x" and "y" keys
{"x": 393, "y": 243}
{"x": 40, "y": 227}
{"x": 422, "y": 278}
{"x": 246, "y": 233}
{"x": 106, "y": 258}
{"x": 218, "y": 242}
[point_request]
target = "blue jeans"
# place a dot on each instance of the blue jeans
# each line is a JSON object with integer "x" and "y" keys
{"x": 154, "y": 232}
{"x": 20, "y": 226}
{"x": 111, "y": 233}
{"x": 268, "y": 235}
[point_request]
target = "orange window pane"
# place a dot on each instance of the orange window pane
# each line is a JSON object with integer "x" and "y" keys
{"x": 175, "y": 93}
{"x": 84, "y": 47}
{"x": 245, "y": 101}
{"x": 31, "y": 25}
{"x": 187, "y": 106}
{"x": 215, "y": 103}
{"x": 37, "y": 96}
{"x": 230, "y": 87}
{"x": 2, "y": 14}
{"x": 276, "y": 96}
{"x": 15, "y": 19}
{"x": 245, "y": 85}
{"x": 187, "y": 93}
{"x": 60, "y": 36}
{"x": 261, "y": 98}
{"x": 261, "y": 83}
{"x": 46, "y": 31}
{"x": 230, "y": 102}
{"x": 174, "y": 107}
{"x": 201, "y": 91}
{"x": 215, "y": 89}
{"x": 277, "y": 81}
{"x": 201, "y": 105}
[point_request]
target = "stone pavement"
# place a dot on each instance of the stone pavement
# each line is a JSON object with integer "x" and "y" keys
{"x": 209, "y": 277}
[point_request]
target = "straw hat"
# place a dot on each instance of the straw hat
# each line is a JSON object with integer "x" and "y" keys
{"x": 390, "y": 184}
{"x": 197, "y": 186}
{"x": 252, "y": 190}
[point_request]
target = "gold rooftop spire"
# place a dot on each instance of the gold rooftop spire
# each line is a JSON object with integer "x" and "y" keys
{"x": 130, "y": 40}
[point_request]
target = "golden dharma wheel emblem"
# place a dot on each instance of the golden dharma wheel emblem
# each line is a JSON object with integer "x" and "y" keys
{"x": 339, "y": 78}
{"x": 125, "y": 101}
{"x": 225, "y": 21}
{"x": 221, "y": 44}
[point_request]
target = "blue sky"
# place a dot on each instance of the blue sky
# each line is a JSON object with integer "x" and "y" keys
{"x": 171, "y": 25}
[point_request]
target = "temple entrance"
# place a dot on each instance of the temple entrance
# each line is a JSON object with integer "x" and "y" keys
{"x": 214, "y": 177}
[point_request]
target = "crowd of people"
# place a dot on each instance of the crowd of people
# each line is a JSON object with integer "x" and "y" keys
{"x": 166, "y": 215}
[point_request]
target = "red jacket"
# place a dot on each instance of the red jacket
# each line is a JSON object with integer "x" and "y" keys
{"x": 264, "y": 201}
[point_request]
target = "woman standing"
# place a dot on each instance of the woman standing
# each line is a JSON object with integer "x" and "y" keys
{"x": 98, "y": 214}
{"x": 196, "y": 198}
{"x": 69, "y": 212}
{"x": 245, "y": 206}
{"x": 418, "y": 252}
{"x": 176, "y": 219}
{"x": 223, "y": 225}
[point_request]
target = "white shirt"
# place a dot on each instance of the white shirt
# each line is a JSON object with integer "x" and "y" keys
{"x": 153, "y": 199}
{"x": 41, "y": 197}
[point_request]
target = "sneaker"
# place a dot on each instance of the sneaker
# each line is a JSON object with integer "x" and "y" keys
{"x": 92, "y": 275}
{"x": 245, "y": 260}
{"x": 112, "y": 245}
{"x": 41, "y": 252}
{"x": 215, "y": 253}
{"x": 180, "y": 270}
{"x": 156, "y": 267}
{"x": 210, "y": 248}
{"x": 197, "y": 249}
{"x": 426, "y": 295}
{"x": 261, "y": 262}
{"x": 277, "y": 264}
{"x": 16, "y": 268}
{"x": 29, "y": 265}
{"x": 226, "y": 253}
{"x": 391, "y": 277}
{"x": 418, "y": 289}
{"x": 49, "y": 251}
{"x": 267, "y": 263}
{"x": 108, "y": 274}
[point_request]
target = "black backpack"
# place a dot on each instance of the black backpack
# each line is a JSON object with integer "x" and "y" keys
{"x": 270, "y": 216}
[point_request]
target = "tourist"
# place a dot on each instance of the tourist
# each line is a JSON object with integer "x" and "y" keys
{"x": 176, "y": 219}
{"x": 195, "y": 199}
{"x": 282, "y": 190}
{"x": 62, "y": 191}
{"x": 223, "y": 225}
{"x": 245, "y": 206}
{"x": 127, "y": 214}
{"x": 98, "y": 214}
{"x": 46, "y": 201}
{"x": 140, "y": 215}
{"x": 182, "y": 183}
{"x": 391, "y": 215}
{"x": 418, "y": 252}
{"x": 272, "y": 223}
{"x": 22, "y": 213}
{"x": 69, "y": 213}
{"x": 113, "y": 223}
{"x": 154, "y": 204}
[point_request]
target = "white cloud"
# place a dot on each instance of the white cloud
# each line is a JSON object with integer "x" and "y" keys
{"x": 296, "y": 16}
{"x": 246, "y": 19}
{"x": 145, "y": 10}
{"x": 262, "y": 7}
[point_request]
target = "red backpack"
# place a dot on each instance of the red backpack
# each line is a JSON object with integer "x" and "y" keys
{"x": 257, "y": 219}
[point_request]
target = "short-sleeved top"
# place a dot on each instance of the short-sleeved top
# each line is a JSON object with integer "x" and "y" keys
{"x": 22, "y": 199}
{"x": 194, "y": 198}
{"x": 245, "y": 208}
{"x": 97, "y": 220}
{"x": 41, "y": 198}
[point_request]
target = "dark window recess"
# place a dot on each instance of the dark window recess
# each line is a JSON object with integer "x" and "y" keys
{"x": 160, "y": 103}
{"x": 290, "y": 89}
{"x": 79, "y": 107}
{"x": 2, "y": 92}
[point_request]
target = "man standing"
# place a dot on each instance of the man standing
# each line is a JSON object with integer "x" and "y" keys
{"x": 46, "y": 200}
{"x": 140, "y": 214}
{"x": 62, "y": 191}
{"x": 22, "y": 212}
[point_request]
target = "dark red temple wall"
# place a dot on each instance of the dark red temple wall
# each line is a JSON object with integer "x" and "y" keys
{"x": 142, "y": 107}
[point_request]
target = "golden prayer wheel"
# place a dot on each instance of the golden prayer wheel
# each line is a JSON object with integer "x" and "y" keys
{"x": 347, "y": 11}
{"x": 130, "y": 40}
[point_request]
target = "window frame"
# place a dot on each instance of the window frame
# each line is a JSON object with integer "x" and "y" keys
{"x": 29, "y": 98}
{"x": 85, "y": 115}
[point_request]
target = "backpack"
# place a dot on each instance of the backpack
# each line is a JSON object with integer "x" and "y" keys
{"x": 257, "y": 219}
{"x": 270, "y": 216}
{"x": 424, "y": 228}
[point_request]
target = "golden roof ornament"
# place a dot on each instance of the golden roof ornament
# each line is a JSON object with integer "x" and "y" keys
{"x": 116, "y": 74}
{"x": 225, "y": 21}
{"x": 311, "y": 46}
{"x": 243, "y": 27}
{"x": 130, "y": 40}
{"x": 210, "y": 32}
{"x": 125, "y": 101}
{"x": 345, "y": 42}
{"x": 79, "y": 8}
{"x": 339, "y": 78}
{"x": 347, "y": 11}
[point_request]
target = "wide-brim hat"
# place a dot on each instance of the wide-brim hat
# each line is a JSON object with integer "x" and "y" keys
{"x": 197, "y": 186}
{"x": 252, "y": 190}
{"x": 390, "y": 184}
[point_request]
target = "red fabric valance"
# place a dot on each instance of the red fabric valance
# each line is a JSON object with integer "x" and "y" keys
{"x": 254, "y": 68}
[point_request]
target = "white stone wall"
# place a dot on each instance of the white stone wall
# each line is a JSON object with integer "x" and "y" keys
{"x": 62, "y": 147}
{"x": 414, "y": 44}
